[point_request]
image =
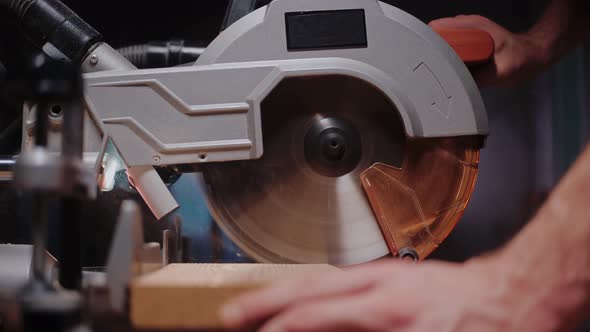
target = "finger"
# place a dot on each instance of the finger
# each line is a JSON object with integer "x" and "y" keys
{"x": 344, "y": 313}
{"x": 254, "y": 307}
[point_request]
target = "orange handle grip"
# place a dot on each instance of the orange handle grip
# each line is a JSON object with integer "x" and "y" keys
{"x": 473, "y": 46}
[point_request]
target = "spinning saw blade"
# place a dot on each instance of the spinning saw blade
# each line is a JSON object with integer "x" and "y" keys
{"x": 338, "y": 181}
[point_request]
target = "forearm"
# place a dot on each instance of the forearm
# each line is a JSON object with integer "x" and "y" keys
{"x": 550, "y": 259}
{"x": 561, "y": 28}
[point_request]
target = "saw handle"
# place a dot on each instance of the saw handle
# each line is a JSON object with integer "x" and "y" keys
{"x": 474, "y": 47}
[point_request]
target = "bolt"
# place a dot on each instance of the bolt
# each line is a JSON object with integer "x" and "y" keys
{"x": 408, "y": 254}
{"x": 157, "y": 159}
{"x": 56, "y": 111}
{"x": 94, "y": 59}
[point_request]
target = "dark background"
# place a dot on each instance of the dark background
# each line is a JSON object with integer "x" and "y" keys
{"x": 136, "y": 21}
{"x": 133, "y": 21}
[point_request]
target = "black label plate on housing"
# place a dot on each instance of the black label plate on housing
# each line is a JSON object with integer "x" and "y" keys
{"x": 326, "y": 29}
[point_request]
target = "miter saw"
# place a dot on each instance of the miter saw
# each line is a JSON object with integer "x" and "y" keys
{"x": 326, "y": 131}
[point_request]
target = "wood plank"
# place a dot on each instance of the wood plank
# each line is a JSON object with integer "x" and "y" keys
{"x": 189, "y": 296}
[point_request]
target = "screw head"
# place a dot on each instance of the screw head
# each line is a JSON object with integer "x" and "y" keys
{"x": 93, "y": 59}
{"x": 157, "y": 159}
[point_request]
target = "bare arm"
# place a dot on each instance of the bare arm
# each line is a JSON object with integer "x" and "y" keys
{"x": 519, "y": 57}
{"x": 550, "y": 259}
{"x": 561, "y": 28}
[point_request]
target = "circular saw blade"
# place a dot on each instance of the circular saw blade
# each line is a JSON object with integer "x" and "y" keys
{"x": 283, "y": 208}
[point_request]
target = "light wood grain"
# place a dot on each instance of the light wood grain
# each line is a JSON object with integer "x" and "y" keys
{"x": 189, "y": 296}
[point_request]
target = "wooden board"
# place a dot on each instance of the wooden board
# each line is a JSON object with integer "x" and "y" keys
{"x": 189, "y": 296}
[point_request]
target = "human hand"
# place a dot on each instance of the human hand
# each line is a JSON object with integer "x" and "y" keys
{"x": 392, "y": 296}
{"x": 517, "y": 57}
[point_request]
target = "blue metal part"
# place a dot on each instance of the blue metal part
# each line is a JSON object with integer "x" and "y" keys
{"x": 208, "y": 244}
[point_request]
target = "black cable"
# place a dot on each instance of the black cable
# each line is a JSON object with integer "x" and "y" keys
{"x": 158, "y": 54}
{"x": 54, "y": 28}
